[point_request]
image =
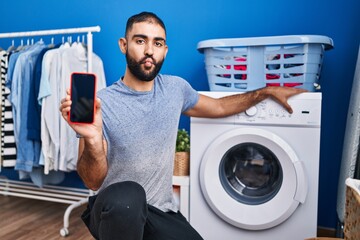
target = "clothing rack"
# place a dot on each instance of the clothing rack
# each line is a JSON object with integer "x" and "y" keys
{"x": 88, "y": 30}
{"x": 73, "y": 196}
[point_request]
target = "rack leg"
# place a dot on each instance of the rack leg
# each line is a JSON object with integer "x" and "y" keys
{"x": 65, "y": 230}
{"x": 6, "y": 187}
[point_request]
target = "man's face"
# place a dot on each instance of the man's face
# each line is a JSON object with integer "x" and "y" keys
{"x": 145, "y": 50}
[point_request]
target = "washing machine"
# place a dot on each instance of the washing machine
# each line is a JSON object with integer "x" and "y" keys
{"x": 254, "y": 175}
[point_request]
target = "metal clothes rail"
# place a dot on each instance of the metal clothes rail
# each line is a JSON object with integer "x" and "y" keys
{"x": 73, "y": 196}
{"x": 88, "y": 30}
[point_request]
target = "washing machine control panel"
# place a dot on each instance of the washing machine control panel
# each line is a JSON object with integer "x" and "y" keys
{"x": 263, "y": 110}
{"x": 305, "y": 112}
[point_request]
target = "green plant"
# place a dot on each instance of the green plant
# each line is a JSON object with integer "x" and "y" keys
{"x": 182, "y": 141}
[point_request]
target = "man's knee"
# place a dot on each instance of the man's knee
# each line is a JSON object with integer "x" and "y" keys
{"x": 124, "y": 190}
{"x": 119, "y": 210}
{"x": 124, "y": 199}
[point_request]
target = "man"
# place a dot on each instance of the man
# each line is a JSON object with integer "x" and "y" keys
{"x": 127, "y": 153}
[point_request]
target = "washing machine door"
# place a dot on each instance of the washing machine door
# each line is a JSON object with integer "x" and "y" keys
{"x": 252, "y": 178}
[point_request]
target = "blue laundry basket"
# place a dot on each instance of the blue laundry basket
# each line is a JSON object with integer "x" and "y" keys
{"x": 244, "y": 64}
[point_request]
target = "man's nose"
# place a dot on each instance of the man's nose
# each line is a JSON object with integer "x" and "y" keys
{"x": 149, "y": 49}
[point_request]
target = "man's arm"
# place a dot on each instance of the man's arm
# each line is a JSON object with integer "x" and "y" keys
{"x": 230, "y": 105}
{"x": 92, "y": 163}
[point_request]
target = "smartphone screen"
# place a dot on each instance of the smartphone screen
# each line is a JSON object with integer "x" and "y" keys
{"x": 83, "y": 92}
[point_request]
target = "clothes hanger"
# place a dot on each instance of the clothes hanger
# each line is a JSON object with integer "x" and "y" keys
{"x": 83, "y": 42}
{"x": 21, "y": 46}
{"x": 12, "y": 47}
{"x": 51, "y": 45}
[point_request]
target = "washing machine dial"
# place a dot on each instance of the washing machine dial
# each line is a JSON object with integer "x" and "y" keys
{"x": 251, "y": 111}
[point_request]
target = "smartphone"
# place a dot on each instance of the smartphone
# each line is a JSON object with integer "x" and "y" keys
{"x": 83, "y": 94}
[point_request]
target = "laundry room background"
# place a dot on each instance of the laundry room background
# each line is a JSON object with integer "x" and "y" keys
{"x": 189, "y": 22}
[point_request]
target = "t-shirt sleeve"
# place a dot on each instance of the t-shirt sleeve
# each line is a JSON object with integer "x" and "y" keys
{"x": 191, "y": 96}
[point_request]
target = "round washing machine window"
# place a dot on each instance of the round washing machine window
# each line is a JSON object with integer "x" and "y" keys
{"x": 252, "y": 178}
{"x": 250, "y": 173}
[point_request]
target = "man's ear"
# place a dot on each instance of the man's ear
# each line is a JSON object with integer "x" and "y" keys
{"x": 123, "y": 45}
{"x": 166, "y": 50}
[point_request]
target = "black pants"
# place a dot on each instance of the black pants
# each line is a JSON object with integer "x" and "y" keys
{"x": 120, "y": 212}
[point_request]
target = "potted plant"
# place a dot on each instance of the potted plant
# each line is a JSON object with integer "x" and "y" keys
{"x": 182, "y": 154}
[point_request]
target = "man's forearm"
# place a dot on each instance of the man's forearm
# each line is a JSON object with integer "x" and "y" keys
{"x": 238, "y": 103}
{"x": 92, "y": 163}
{"x": 234, "y": 104}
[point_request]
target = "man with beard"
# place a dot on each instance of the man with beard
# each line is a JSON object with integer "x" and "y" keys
{"x": 127, "y": 154}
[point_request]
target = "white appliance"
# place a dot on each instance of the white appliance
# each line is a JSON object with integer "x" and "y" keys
{"x": 254, "y": 175}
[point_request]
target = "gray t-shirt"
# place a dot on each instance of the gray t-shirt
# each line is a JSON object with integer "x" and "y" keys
{"x": 140, "y": 129}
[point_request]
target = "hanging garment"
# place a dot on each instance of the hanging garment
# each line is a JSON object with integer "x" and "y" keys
{"x": 34, "y": 109}
{"x": 8, "y": 146}
{"x": 28, "y": 151}
{"x": 50, "y": 117}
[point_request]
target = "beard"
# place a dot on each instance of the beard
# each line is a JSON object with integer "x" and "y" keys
{"x": 136, "y": 69}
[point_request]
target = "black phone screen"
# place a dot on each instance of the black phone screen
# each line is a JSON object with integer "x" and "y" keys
{"x": 83, "y": 87}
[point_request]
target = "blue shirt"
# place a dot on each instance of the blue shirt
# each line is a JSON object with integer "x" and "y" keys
{"x": 28, "y": 151}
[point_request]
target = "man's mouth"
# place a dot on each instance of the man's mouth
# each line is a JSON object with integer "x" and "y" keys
{"x": 148, "y": 63}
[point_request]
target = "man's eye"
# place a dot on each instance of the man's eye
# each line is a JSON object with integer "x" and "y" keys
{"x": 159, "y": 44}
{"x": 140, "y": 41}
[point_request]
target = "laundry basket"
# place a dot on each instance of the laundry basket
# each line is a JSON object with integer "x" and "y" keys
{"x": 244, "y": 64}
{"x": 352, "y": 213}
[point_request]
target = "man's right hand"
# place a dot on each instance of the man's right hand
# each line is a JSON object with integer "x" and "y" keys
{"x": 85, "y": 130}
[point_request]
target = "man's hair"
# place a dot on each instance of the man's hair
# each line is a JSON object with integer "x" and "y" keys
{"x": 143, "y": 17}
